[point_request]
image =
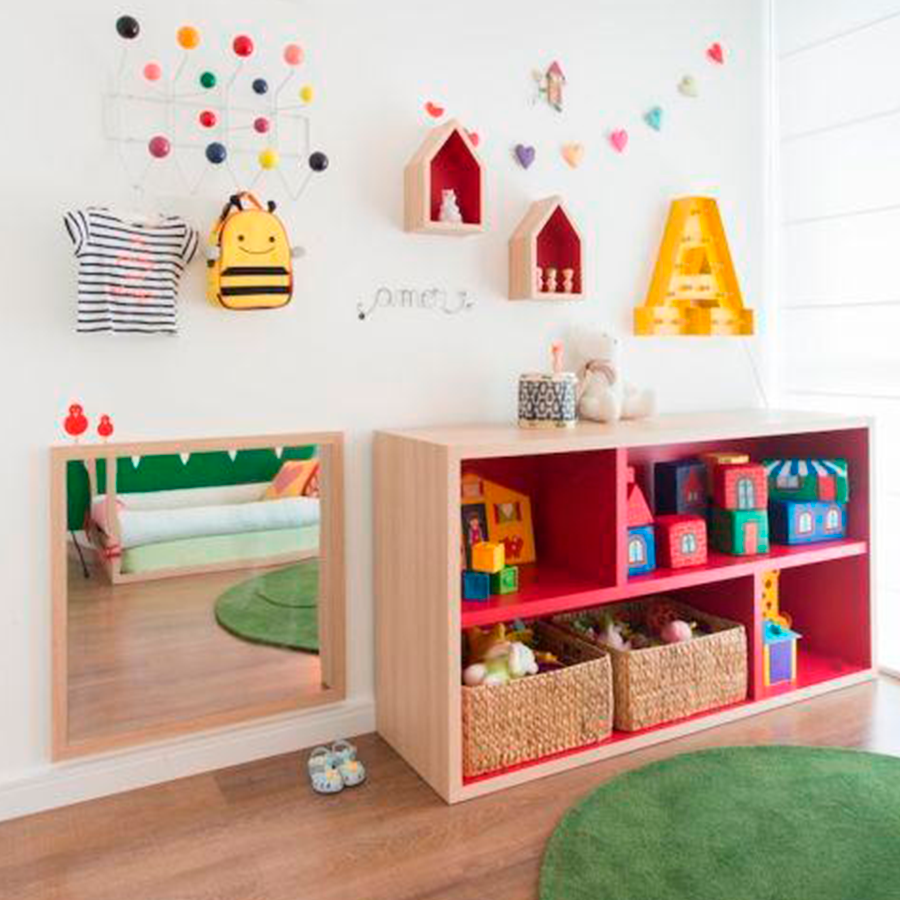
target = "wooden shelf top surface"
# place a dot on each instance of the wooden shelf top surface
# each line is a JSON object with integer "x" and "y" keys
{"x": 507, "y": 439}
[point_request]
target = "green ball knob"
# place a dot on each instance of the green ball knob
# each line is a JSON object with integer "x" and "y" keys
{"x": 208, "y": 80}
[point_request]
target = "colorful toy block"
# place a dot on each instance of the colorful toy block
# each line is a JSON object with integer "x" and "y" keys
{"x": 488, "y": 557}
{"x": 476, "y": 585}
{"x": 680, "y": 487}
{"x": 680, "y": 541}
{"x": 740, "y": 532}
{"x": 637, "y": 510}
{"x": 779, "y": 653}
{"x": 807, "y": 523}
{"x": 808, "y": 479}
{"x": 641, "y": 550}
{"x": 506, "y": 581}
{"x": 740, "y": 486}
{"x": 719, "y": 458}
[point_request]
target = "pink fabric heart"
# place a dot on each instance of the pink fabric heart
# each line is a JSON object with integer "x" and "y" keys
{"x": 619, "y": 139}
{"x": 716, "y": 53}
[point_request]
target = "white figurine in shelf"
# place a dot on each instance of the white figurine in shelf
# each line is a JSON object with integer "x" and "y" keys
{"x": 449, "y": 207}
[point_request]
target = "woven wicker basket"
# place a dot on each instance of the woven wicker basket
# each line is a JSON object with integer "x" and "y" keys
{"x": 504, "y": 725}
{"x": 660, "y": 684}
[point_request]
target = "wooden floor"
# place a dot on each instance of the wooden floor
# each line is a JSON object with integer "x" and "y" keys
{"x": 257, "y": 832}
{"x": 149, "y": 653}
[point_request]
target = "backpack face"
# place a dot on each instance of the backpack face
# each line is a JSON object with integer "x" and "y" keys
{"x": 253, "y": 269}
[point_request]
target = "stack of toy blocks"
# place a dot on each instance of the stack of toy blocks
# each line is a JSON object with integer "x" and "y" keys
{"x": 680, "y": 541}
{"x": 489, "y": 573}
{"x": 807, "y": 499}
{"x": 641, "y": 540}
{"x": 739, "y": 519}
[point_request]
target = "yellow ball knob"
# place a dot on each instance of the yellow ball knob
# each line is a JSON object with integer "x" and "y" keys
{"x": 307, "y": 93}
{"x": 269, "y": 158}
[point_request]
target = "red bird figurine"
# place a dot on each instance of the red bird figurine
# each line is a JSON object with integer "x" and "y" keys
{"x": 105, "y": 428}
{"x": 76, "y": 422}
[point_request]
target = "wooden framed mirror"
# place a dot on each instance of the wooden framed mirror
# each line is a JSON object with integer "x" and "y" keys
{"x": 195, "y": 584}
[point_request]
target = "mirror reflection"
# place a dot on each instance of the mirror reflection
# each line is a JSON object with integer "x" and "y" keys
{"x": 192, "y": 587}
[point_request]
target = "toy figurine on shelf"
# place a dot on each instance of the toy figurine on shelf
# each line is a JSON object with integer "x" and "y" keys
{"x": 568, "y": 280}
{"x": 538, "y": 280}
{"x": 550, "y": 285}
{"x": 449, "y": 211}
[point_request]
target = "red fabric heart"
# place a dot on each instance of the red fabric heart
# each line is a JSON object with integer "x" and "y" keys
{"x": 473, "y": 137}
{"x": 716, "y": 53}
{"x": 434, "y": 110}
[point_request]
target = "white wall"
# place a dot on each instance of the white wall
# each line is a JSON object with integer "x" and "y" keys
{"x": 315, "y": 365}
{"x": 839, "y": 319}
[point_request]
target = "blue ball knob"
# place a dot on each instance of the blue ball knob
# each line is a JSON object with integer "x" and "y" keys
{"x": 216, "y": 153}
{"x": 260, "y": 85}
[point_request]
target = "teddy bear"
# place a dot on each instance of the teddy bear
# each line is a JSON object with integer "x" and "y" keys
{"x": 603, "y": 395}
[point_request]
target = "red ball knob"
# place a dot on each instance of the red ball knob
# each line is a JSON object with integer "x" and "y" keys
{"x": 242, "y": 45}
{"x": 208, "y": 118}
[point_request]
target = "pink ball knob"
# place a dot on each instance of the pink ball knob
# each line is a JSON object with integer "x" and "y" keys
{"x": 293, "y": 54}
{"x": 261, "y": 125}
{"x": 159, "y": 146}
{"x": 153, "y": 71}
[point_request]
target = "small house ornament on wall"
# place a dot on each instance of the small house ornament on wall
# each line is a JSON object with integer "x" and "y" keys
{"x": 550, "y": 85}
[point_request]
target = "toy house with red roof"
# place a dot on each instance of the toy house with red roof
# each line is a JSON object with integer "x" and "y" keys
{"x": 641, "y": 536}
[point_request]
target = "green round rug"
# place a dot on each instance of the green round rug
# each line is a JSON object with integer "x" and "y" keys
{"x": 737, "y": 823}
{"x": 278, "y": 607}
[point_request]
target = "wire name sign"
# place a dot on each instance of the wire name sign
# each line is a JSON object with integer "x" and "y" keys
{"x": 435, "y": 299}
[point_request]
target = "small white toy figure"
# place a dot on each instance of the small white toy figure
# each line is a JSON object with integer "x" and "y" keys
{"x": 550, "y": 287}
{"x": 449, "y": 211}
{"x": 568, "y": 280}
{"x": 538, "y": 279}
{"x": 603, "y": 395}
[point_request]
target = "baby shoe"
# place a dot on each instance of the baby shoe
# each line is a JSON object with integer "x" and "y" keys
{"x": 323, "y": 772}
{"x": 352, "y": 771}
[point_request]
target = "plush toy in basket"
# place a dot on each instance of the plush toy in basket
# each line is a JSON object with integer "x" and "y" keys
{"x": 531, "y": 692}
{"x": 669, "y": 660}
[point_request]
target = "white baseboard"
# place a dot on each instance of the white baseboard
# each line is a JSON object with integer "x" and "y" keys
{"x": 62, "y": 784}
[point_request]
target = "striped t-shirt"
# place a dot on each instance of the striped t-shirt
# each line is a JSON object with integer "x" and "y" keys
{"x": 128, "y": 270}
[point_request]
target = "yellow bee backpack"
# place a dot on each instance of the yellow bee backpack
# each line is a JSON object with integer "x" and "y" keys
{"x": 249, "y": 264}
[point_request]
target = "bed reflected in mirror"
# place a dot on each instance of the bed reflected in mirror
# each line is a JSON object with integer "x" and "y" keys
{"x": 196, "y": 584}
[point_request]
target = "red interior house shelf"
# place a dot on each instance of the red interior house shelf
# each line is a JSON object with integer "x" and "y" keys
{"x": 446, "y": 160}
{"x": 546, "y": 258}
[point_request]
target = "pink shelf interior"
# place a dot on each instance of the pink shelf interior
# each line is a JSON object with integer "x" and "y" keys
{"x": 454, "y": 167}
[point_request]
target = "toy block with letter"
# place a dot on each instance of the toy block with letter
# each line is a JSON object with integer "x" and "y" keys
{"x": 476, "y": 585}
{"x": 506, "y": 581}
{"x": 488, "y": 557}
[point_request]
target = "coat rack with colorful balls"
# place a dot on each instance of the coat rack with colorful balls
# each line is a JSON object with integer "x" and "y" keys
{"x": 216, "y": 120}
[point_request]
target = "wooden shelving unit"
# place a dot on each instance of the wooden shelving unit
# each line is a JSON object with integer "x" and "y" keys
{"x": 547, "y": 237}
{"x": 447, "y": 159}
{"x": 577, "y": 482}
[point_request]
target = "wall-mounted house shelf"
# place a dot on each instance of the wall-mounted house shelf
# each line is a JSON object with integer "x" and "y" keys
{"x": 447, "y": 160}
{"x": 546, "y": 254}
{"x": 577, "y": 481}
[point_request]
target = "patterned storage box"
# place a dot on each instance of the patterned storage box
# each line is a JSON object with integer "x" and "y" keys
{"x": 548, "y": 401}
